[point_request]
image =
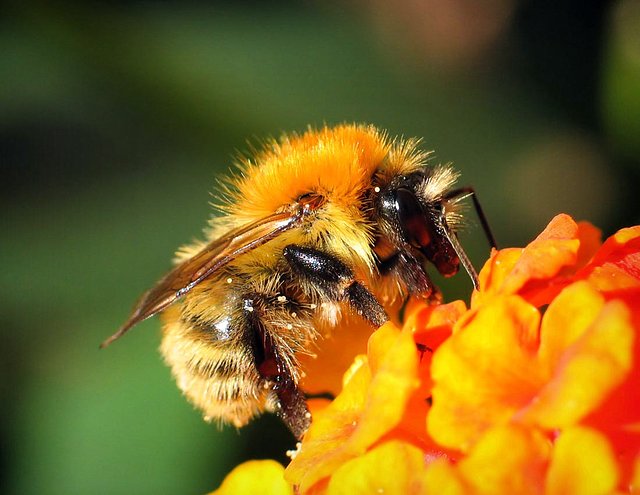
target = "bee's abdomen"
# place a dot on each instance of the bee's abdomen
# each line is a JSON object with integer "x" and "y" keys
{"x": 220, "y": 378}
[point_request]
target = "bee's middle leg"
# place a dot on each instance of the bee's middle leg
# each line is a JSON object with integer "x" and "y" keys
{"x": 335, "y": 280}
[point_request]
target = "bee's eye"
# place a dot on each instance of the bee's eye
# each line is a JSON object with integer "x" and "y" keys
{"x": 412, "y": 218}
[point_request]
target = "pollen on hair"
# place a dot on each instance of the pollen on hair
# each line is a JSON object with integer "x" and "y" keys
{"x": 293, "y": 453}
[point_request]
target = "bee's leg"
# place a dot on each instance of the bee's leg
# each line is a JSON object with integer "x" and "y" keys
{"x": 293, "y": 406}
{"x": 335, "y": 280}
{"x": 273, "y": 368}
{"x": 411, "y": 271}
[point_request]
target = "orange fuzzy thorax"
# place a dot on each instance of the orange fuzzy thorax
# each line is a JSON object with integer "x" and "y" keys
{"x": 337, "y": 163}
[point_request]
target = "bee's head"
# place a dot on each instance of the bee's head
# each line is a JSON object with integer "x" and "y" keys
{"x": 415, "y": 215}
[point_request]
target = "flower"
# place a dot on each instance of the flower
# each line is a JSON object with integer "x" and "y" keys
{"x": 547, "y": 374}
{"x": 535, "y": 388}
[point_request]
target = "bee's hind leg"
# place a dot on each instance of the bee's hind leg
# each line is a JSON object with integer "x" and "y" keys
{"x": 273, "y": 369}
{"x": 335, "y": 280}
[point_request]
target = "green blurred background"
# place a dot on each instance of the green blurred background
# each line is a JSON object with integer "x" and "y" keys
{"x": 115, "y": 119}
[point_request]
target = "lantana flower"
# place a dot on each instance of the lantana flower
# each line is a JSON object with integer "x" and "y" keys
{"x": 535, "y": 388}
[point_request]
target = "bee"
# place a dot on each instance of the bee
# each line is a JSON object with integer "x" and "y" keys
{"x": 333, "y": 221}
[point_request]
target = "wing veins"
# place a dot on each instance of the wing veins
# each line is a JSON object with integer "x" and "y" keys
{"x": 211, "y": 258}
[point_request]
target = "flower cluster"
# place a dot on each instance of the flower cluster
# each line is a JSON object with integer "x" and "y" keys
{"x": 533, "y": 389}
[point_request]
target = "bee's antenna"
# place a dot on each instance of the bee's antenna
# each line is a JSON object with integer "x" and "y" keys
{"x": 463, "y": 192}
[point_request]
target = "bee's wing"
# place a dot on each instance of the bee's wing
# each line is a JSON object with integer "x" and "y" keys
{"x": 210, "y": 259}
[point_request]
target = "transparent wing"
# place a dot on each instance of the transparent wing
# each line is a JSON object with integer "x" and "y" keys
{"x": 209, "y": 260}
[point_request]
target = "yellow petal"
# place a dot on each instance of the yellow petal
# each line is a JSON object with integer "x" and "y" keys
{"x": 567, "y": 318}
{"x": 583, "y": 464}
{"x": 494, "y": 272}
{"x": 484, "y": 372}
{"x": 586, "y": 372}
{"x": 258, "y": 477}
{"x": 507, "y": 460}
{"x": 391, "y": 387}
{"x": 326, "y": 444}
{"x": 391, "y": 468}
{"x": 443, "y": 478}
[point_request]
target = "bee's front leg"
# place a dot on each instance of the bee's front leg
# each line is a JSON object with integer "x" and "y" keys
{"x": 335, "y": 280}
{"x": 407, "y": 268}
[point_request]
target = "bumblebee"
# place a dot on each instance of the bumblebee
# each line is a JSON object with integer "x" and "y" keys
{"x": 313, "y": 227}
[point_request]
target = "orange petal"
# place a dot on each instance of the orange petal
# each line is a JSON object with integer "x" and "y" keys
{"x": 635, "y": 480}
{"x": 619, "y": 416}
{"x": 590, "y": 241}
{"x": 484, "y": 372}
{"x": 265, "y": 477}
{"x": 539, "y": 271}
{"x": 334, "y": 355}
{"x": 370, "y": 405}
{"x": 390, "y": 468}
{"x": 583, "y": 462}
{"x": 507, "y": 460}
{"x": 553, "y": 252}
{"x": 412, "y": 429}
{"x": 616, "y": 247}
{"x": 616, "y": 266}
{"x": 431, "y": 325}
{"x": 425, "y": 318}
{"x": 554, "y": 249}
